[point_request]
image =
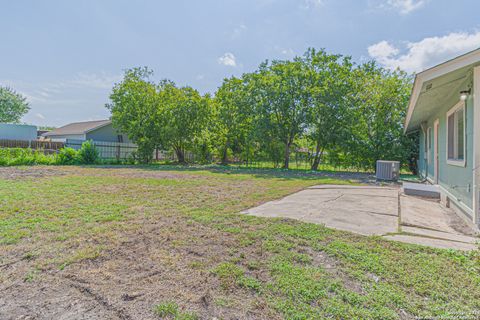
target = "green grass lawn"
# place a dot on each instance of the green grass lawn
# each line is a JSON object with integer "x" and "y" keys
{"x": 172, "y": 237}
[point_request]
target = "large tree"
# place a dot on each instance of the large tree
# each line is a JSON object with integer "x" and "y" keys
{"x": 183, "y": 116}
{"x": 280, "y": 97}
{"x": 157, "y": 115}
{"x": 379, "y": 97}
{"x": 12, "y": 105}
{"x": 134, "y": 108}
{"x": 328, "y": 117}
{"x": 233, "y": 117}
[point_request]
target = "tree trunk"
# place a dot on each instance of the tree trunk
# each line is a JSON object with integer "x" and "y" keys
{"x": 317, "y": 158}
{"x": 287, "y": 156}
{"x": 180, "y": 156}
{"x": 225, "y": 155}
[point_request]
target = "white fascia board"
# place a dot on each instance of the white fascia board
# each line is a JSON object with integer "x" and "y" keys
{"x": 435, "y": 72}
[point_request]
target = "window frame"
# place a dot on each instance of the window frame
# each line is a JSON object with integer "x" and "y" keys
{"x": 457, "y": 162}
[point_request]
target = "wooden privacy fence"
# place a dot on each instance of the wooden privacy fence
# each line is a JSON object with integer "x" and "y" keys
{"x": 45, "y": 146}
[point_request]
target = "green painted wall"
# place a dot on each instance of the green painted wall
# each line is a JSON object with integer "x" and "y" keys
{"x": 457, "y": 180}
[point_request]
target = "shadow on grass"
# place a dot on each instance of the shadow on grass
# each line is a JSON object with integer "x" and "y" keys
{"x": 266, "y": 173}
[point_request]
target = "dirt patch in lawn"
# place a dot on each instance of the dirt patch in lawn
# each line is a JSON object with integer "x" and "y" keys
{"x": 170, "y": 259}
{"x": 13, "y": 173}
{"x": 23, "y": 172}
{"x": 138, "y": 173}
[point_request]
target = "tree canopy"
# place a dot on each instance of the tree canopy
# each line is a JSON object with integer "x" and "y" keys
{"x": 157, "y": 115}
{"x": 322, "y": 105}
{"x": 12, "y": 105}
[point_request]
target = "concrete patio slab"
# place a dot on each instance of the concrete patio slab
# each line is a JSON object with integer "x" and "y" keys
{"x": 430, "y": 214}
{"x": 372, "y": 210}
{"x": 362, "y": 209}
{"x": 441, "y": 235}
{"x": 435, "y": 243}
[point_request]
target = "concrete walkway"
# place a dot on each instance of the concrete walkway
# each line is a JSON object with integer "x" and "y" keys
{"x": 371, "y": 210}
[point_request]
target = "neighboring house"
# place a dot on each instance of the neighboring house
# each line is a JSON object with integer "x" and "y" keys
{"x": 445, "y": 109}
{"x": 41, "y": 133}
{"x": 101, "y": 130}
{"x": 17, "y": 132}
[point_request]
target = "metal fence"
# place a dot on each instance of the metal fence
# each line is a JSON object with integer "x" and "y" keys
{"x": 171, "y": 156}
{"x": 106, "y": 149}
{"x": 46, "y": 146}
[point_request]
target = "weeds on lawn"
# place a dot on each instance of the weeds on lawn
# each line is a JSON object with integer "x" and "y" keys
{"x": 170, "y": 310}
{"x": 187, "y": 222}
{"x": 230, "y": 275}
{"x": 20, "y": 156}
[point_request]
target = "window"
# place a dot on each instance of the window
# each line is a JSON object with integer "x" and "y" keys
{"x": 456, "y": 135}
{"x": 120, "y": 138}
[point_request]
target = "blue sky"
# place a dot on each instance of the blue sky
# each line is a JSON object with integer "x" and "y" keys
{"x": 66, "y": 55}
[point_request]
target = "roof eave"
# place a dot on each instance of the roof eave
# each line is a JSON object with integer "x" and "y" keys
{"x": 98, "y": 127}
{"x": 435, "y": 72}
{"x": 411, "y": 103}
{"x": 53, "y": 133}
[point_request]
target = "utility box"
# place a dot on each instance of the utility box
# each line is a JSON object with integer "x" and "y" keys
{"x": 388, "y": 170}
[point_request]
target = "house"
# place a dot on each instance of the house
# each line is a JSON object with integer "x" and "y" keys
{"x": 445, "y": 109}
{"x": 101, "y": 130}
{"x": 17, "y": 132}
{"x": 41, "y": 133}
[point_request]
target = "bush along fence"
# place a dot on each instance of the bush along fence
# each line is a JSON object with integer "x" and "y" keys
{"x": 107, "y": 150}
{"x": 19, "y": 152}
{"x": 25, "y": 156}
{"x": 122, "y": 151}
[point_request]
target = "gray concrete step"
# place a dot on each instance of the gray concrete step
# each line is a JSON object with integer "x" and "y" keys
{"x": 421, "y": 190}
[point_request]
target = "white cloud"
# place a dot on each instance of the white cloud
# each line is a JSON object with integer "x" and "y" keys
{"x": 288, "y": 52}
{"x": 94, "y": 80}
{"x": 238, "y": 31}
{"x": 43, "y": 93}
{"x": 425, "y": 53}
{"x": 228, "y": 59}
{"x": 60, "y": 92}
{"x": 40, "y": 116}
{"x": 406, "y": 6}
{"x": 310, "y": 4}
{"x": 382, "y": 50}
{"x": 401, "y": 6}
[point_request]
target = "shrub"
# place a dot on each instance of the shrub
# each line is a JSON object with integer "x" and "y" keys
{"x": 88, "y": 154}
{"x": 4, "y": 154}
{"x": 21, "y": 156}
{"x": 144, "y": 152}
{"x": 39, "y": 157}
{"x": 67, "y": 156}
